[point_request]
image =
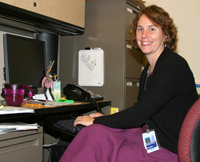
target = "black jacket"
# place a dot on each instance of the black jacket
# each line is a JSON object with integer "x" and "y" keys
{"x": 164, "y": 100}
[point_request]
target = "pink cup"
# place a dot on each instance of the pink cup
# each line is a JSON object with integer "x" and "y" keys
{"x": 14, "y": 94}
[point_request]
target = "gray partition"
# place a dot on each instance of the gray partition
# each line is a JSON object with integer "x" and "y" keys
{"x": 106, "y": 26}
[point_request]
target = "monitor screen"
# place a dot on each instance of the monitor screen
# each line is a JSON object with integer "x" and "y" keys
{"x": 24, "y": 60}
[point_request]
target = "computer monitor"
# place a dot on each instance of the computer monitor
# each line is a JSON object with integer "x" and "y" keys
{"x": 24, "y": 60}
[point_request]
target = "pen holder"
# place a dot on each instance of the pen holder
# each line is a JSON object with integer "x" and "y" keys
{"x": 14, "y": 94}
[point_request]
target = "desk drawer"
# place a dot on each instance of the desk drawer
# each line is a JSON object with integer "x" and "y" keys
{"x": 23, "y": 146}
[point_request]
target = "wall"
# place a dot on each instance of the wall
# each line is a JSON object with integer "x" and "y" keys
{"x": 185, "y": 15}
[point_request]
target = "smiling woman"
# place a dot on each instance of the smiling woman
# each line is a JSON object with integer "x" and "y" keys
{"x": 166, "y": 93}
{"x": 150, "y": 39}
{"x": 156, "y": 15}
{"x": 151, "y": 34}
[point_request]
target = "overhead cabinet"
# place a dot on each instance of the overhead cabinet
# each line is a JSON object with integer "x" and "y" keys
{"x": 60, "y": 17}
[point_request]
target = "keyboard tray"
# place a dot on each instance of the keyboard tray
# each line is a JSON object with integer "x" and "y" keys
{"x": 49, "y": 125}
{"x": 68, "y": 125}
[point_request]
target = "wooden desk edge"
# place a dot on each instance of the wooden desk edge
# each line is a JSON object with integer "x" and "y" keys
{"x": 54, "y": 106}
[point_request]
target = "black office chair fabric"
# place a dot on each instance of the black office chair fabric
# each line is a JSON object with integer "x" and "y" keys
{"x": 189, "y": 138}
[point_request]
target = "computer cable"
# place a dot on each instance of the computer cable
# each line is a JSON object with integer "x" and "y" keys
{"x": 93, "y": 101}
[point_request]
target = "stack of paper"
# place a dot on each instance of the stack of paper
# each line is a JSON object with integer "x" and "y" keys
{"x": 8, "y": 127}
{"x": 14, "y": 110}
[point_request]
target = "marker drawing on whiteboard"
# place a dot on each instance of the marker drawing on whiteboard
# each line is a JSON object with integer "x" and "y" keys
{"x": 88, "y": 62}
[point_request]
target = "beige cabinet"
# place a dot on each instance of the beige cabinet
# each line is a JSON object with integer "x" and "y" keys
{"x": 22, "y": 146}
{"x": 70, "y": 11}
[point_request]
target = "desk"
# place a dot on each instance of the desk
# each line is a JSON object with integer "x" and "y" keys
{"x": 41, "y": 114}
{"x": 45, "y": 111}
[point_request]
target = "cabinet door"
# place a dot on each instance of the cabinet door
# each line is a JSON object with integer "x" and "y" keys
{"x": 70, "y": 11}
{"x": 132, "y": 90}
{"x": 22, "y": 146}
{"x": 131, "y": 12}
{"x": 133, "y": 62}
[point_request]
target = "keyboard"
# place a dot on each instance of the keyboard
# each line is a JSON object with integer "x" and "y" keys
{"x": 68, "y": 125}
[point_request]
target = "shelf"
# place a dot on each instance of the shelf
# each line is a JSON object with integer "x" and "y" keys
{"x": 23, "y": 19}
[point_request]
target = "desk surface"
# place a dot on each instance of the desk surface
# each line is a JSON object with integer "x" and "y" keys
{"x": 45, "y": 111}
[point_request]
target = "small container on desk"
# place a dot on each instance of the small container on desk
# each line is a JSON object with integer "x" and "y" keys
{"x": 57, "y": 90}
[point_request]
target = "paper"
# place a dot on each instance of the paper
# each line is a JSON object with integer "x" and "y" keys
{"x": 53, "y": 103}
{"x": 18, "y": 126}
{"x": 14, "y": 110}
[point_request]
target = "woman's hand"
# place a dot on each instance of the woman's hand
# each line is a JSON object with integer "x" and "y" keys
{"x": 87, "y": 120}
{"x": 95, "y": 115}
{"x": 84, "y": 120}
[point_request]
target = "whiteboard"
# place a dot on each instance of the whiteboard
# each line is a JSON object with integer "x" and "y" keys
{"x": 91, "y": 67}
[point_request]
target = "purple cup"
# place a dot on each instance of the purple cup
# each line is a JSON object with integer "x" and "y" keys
{"x": 14, "y": 94}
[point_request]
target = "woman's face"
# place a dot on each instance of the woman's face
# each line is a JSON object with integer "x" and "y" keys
{"x": 150, "y": 38}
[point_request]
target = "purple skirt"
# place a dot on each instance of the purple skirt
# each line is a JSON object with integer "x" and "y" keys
{"x": 98, "y": 143}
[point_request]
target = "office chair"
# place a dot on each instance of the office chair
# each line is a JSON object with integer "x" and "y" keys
{"x": 189, "y": 138}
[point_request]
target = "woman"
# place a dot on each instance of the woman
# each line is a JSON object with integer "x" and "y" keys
{"x": 167, "y": 91}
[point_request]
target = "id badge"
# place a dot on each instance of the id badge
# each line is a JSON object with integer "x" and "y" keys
{"x": 150, "y": 141}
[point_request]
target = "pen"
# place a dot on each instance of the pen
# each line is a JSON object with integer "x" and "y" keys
{"x": 34, "y": 104}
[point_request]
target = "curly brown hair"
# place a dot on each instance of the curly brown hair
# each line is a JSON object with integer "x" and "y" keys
{"x": 160, "y": 18}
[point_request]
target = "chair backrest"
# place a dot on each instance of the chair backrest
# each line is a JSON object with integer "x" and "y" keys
{"x": 189, "y": 138}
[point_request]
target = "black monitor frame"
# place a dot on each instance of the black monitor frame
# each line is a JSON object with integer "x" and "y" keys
{"x": 24, "y": 60}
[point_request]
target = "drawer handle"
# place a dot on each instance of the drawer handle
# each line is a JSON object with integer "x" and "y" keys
{"x": 130, "y": 84}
